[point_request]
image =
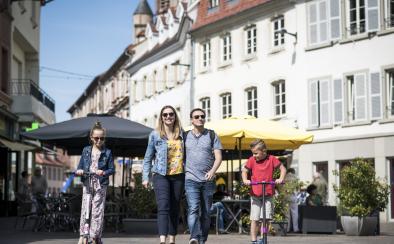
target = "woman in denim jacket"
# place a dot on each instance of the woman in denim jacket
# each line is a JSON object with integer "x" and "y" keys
{"x": 96, "y": 158}
{"x": 164, "y": 159}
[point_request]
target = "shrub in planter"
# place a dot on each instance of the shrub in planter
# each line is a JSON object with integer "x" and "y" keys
{"x": 142, "y": 200}
{"x": 360, "y": 194}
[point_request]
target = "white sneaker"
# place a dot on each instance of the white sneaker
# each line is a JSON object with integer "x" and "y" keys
{"x": 193, "y": 241}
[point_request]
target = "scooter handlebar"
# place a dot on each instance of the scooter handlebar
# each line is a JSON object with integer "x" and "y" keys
{"x": 85, "y": 173}
{"x": 264, "y": 183}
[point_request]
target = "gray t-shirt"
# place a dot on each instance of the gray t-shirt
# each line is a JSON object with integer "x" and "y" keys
{"x": 199, "y": 155}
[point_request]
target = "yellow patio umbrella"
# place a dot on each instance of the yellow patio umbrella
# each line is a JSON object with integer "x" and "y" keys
{"x": 241, "y": 131}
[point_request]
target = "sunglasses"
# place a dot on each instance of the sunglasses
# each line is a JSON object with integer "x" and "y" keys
{"x": 167, "y": 114}
{"x": 202, "y": 116}
{"x": 98, "y": 138}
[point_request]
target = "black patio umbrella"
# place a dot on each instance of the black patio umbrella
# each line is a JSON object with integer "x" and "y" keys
{"x": 126, "y": 138}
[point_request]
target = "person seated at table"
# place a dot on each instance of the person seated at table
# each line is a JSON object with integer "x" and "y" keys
{"x": 313, "y": 199}
{"x": 219, "y": 206}
{"x": 261, "y": 167}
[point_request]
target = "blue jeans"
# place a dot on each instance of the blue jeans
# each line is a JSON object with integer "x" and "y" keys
{"x": 168, "y": 191}
{"x": 199, "y": 199}
{"x": 218, "y": 206}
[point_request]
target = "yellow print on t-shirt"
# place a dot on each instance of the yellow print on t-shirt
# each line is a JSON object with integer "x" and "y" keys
{"x": 174, "y": 157}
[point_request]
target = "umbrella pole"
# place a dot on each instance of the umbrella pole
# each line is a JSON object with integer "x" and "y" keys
{"x": 232, "y": 172}
{"x": 123, "y": 169}
{"x": 240, "y": 154}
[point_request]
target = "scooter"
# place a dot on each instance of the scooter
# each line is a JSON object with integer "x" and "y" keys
{"x": 264, "y": 226}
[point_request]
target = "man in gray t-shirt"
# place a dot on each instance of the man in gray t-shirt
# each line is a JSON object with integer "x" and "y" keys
{"x": 203, "y": 158}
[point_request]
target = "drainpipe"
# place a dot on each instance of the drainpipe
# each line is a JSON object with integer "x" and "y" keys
{"x": 191, "y": 72}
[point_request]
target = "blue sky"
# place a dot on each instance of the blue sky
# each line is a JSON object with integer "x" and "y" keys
{"x": 83, "y": 37}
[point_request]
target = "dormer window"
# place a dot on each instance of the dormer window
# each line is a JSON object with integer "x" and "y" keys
{"x": 213, "y": 3}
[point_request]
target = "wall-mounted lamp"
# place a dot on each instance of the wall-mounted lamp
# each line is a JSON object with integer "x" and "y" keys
{"x": 284, "y": 31}
{"x": 177, "y": 63}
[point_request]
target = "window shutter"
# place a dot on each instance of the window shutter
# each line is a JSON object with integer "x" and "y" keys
{"x": 160, "y": 81}
{"x": 335, "y": 19}
{"x": 323, "y": 25}
{"x": 360, "y": 96}
{"x": 372, "y": 15}
{"x": 313, "y": 103}
{"x": 376, "y": 97}
{"x": 338, "y": 101}
{"x": 324, "y": 86}
{"x": 312, "y": 22}
{"x": 171, "y": 76}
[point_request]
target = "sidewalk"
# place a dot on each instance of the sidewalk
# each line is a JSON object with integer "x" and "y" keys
{"x": 8, "y": 235}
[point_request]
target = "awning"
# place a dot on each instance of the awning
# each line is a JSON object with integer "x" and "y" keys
{"x": 223, "y": 166}
{"x": 15, "y": 146}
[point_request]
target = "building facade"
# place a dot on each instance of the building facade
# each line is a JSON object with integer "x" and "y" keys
{"x": 161, "y": 69}
{"x": 322, "y": 66}
{"x": 22, "y": 101}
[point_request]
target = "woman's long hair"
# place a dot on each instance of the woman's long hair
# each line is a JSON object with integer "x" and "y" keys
{"x": 177, "y": 124}
{"x": 96, "y": 126}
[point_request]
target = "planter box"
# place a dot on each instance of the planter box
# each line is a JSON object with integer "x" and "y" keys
{"x": 140, "y": 226}
{"x": 359, "y": 226}
{"x": 318, "y": 219}
{"x": 280, "y": 227}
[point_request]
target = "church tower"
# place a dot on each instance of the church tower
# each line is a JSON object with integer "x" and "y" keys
{"x": 141, "y": 17}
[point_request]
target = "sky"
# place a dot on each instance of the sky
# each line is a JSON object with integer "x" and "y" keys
{"x": 82, "y": 37}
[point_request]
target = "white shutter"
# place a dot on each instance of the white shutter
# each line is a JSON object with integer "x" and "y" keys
{"x": 324, "y": 110}
{"x": 335, "y": 19}
{"x": 338, "y": 101}
{"x": 360, "y": 97}
{"x": 372, "y": 12}
{"x": 375, "y": 96}
{"x": 323, "y": 23}
{"x": 313, "y": 103}
{"x": 171, "y": 76}
{"x": 160, "y": 81}
{"x": 312, "y": 22}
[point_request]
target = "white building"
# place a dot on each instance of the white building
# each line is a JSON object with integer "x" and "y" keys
{"x": 160, "y": 69}
{"x": 325, "y": 66}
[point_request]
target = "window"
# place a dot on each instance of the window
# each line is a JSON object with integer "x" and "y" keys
{"x": 226, "y": 105}
{"x": 319, "y": 102}
{"x": 390, "y": 92}
{"x": 280, "y": 98}
{"x": 206, "y": 106}
{"x": 357, "y": 16}
{"x": 213, "y": 3}
{"x": 324, "y": 21}
{"x": 4, "y": 70}
{"x": 251, "y": 40}
{"x": 357, "y": 97}
{"x": 226, "y": 48}
{"x": 390, "y": 14}
{"x": 206, "y": 55}
{"x": 251, "y": 101}
{"x": 362, "y": 16}
{"x": 277, "y": 25}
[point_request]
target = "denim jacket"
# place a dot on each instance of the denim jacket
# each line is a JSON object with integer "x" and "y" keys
{"x": 156, "y": 152}
{"x": 105, "y": 163}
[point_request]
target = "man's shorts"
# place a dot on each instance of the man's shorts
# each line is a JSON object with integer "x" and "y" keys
{"x": 256, "y": 208}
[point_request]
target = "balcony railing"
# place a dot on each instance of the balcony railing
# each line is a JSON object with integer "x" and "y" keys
{"x": 26, "y": 87}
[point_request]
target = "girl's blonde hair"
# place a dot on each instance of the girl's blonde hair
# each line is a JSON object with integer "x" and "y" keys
{"x": 177, "y": 129}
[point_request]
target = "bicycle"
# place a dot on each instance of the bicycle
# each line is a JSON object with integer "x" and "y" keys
{"x": 264, "y": 227}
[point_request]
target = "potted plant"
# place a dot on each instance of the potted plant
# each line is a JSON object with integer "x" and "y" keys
{"x": 142, "y": 210}
{"x": 361, "y": 195}
{"x": 281, "y": 202}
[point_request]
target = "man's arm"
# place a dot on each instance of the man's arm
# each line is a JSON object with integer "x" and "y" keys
{"x": 216, "y": 164}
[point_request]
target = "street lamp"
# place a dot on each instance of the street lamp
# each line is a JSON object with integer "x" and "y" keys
{"x": 177, "y": 63}
{"x": 284, "y": 31}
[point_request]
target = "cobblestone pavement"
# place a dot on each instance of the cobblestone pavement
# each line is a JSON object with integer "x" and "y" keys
{"x": 10, "y": 235}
